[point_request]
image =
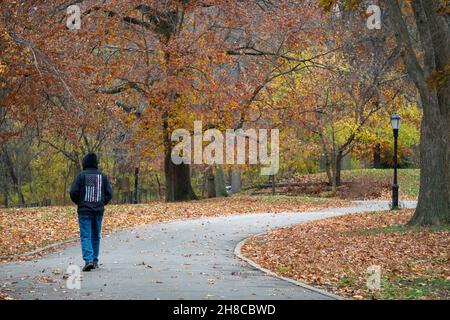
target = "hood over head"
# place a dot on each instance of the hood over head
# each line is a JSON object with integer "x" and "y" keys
{"x": 90, "y": 161}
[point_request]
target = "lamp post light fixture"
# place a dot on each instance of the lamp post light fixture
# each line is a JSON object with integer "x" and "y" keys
{"x": 395, "y": 123}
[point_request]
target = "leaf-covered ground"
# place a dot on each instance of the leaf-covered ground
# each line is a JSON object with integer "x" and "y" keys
{"x": 335, "y": 253}
{"x": 358, "y": 184}
{"x": 22, "y": 230}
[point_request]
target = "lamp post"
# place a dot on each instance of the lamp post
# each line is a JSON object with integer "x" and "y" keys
{"x": 395, "y": 123}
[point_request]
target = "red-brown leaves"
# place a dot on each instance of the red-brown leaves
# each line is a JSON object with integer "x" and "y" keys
{"x": 335, "y": 253}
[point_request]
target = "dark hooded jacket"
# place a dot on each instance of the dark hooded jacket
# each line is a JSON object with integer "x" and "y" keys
{"x": 91, "y": 189}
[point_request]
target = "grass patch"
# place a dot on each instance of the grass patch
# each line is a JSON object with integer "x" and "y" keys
{"x": 413, "y": 289}
{"x": 403, "y": 229}
{"x": 395, "y": 229}
{"x": 397, "y": 288}
{"x": 281, "y": 269}
{"x": 347, "y": 281}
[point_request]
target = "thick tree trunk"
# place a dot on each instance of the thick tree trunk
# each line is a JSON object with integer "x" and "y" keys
{"x": 210, "y": 184}
{"x": 178, "y": 177}
{"x": 377, "y": 156}
{"x": 219, "y": 182}
{"x": 336, "y": 172}
{"x": 434, "y": 196}
{"x": 433, "y": 204}
{"x": 236, "y": 183}
{"x": 178, "y": 181}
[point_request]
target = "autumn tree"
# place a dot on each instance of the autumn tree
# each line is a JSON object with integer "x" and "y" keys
{"x": 189, "y": 56}
{"x": 426, "y": 62}
{"x": 44, "y": 95}
{"x": 430, "y": 74}
{"x": 336, "y": 98}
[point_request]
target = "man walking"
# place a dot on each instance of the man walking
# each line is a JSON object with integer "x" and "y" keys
{"x": 90, "y": 191}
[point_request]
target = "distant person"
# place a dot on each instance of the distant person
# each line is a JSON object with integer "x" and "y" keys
{"x": 90, "y": 191}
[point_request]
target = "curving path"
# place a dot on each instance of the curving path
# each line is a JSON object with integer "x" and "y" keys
{"x": 191, "y": 259}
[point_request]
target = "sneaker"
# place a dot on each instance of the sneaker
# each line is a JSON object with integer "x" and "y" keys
{"x": 88, "y": 266}
{"x": 96, "y": 266}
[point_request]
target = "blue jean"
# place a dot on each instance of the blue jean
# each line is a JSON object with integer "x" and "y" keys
{"x": 90, "y": 234}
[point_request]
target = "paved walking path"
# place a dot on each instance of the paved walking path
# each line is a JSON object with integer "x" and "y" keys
{"x": 191, "y": 259}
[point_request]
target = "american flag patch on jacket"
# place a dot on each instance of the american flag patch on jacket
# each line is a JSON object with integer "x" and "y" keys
{"x": 93, "y": 188}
